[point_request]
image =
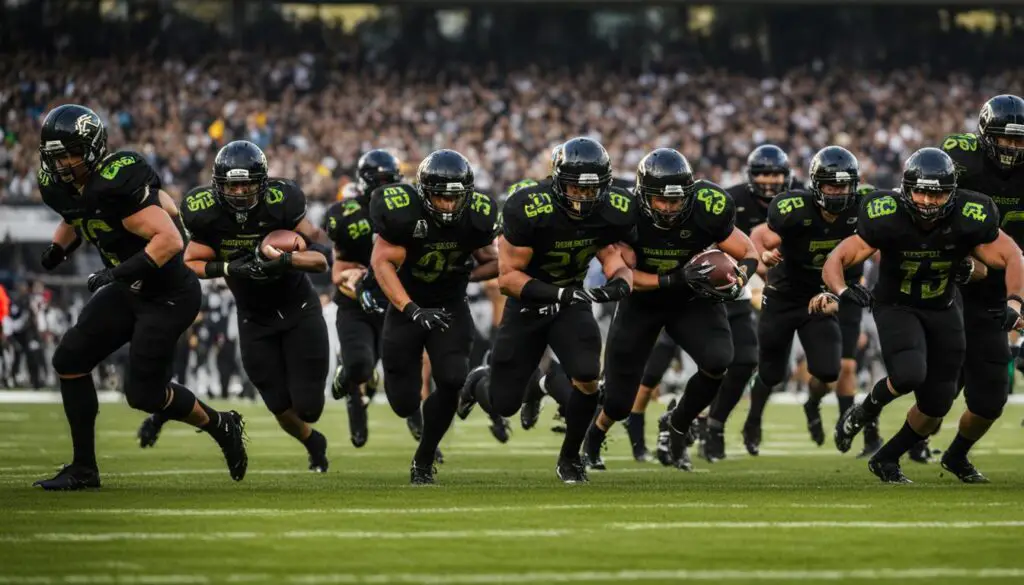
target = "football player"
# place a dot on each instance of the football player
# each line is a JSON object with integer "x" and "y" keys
{"x": 989, "y": 162}
{"x": 550, "y": 235}
{"x": 923, "y": 232}
{"x": 803, "y": 228}
{"x": 768, "y": 173}
{"x": 428, "y": 238}
{"x": 681, "y": 218}
{"x": 281, "y": 331}
{"x": 144, "y": 295}
{"x": 360, "y": 306}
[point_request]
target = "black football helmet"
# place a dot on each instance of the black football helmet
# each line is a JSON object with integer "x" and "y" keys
{"x": 665, "y": 173}
{"x": 584, "y": 164}
{"x": 72, "y": 130}
{"x": 376, "y": 168}
{"x": 555, "y": 151}
{"x": 930, "y": 170}
{"x": 834, "y": 165}
{"x": 1003, "y": 116}
{"x": 768, "y": 159}
{"x": 445, "y": 175}
{"x": 240, "y": 175}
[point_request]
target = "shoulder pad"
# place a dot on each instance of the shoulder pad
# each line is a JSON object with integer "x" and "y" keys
{"x": 530, "y": 202}
{"x": 788, "y": 210}
{"x": 394, "y": 211}
{"x": 483, "y": 214}
{"x": 286, "y": 201}
{"x": 123, "y": 173}
{"x": 198, "y": 207}
{"x": 963, "y": 149}
{"x": 710, "y": 199}
{"x": 977, "y": 207}
{"x": 520, "y": 185}
{"x": 621, "y": 208}
{"x": 879, "y": 217}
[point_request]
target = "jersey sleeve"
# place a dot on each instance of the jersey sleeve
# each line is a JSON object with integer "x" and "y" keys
{"x": 483, "y": 219}
{"x": 963, "y": 149}
{"x": 786, "y": 213}
{"x": 514, "y": 222}
{"x": 393, "y": 213}
{"x": 292, "y": 200}
{"x": 126, "y": 184}
{"x": 876, "y": 219}
{"x": 196, "y": 210}
{"x": 622, "y": 215}
{"x": 716, "y": 209}
{"x": 981, "y": 216}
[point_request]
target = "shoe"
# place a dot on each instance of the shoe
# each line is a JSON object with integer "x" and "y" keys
{"x": 713, "y": 447}
{"x": 421, "y": 475}
{"x": 438, "y": 456}
{"x": 338, "y": 384}
{"x": 415, "y": 424}
{"x": 357, "y": 424}
{"x": 500, "y": 429}
{"x": 467, "y": 396}
{"x": 920, "y": 452}
{"x": 592, "y": 454}
{"x": 149, "y": 430}
{"x": 662, "y": 448}
{"x": 71, "y": 478}
{"x": 848, "y": 425}
{"x": 683, "y": 462}
{"x": 318, "y": 457}
{"x": 571, "y": 471}
{"x": 373, "y": 385}
{"x": 230, "y": 436}
{"x": 888, "y": 471}
{"x": 963, "y": 469}
{"x": 530, "y": 412}
{"x": 872, "y": 440}
{"x": 752, "y": 438}
{"x": 812, "y": 410}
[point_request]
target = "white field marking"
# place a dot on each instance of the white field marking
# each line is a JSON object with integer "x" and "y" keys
{"x": 873, "y": 524}
{"x": 70, "y": 537}
{"x": 13, "y": 416}
{"x": 920, "y": 573}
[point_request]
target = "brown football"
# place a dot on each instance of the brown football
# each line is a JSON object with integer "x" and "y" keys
{"x": 284, "y": 240}
{"x": 724, "y": 273}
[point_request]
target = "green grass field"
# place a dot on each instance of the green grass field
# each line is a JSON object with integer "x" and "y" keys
{"x": 798, "y": 513}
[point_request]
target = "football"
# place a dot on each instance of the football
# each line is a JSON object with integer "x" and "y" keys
{"x": 284, "y": 240}
{"x": 724, "y": 273}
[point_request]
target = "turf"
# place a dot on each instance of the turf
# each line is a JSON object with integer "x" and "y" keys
{"x": 798, "y": 513}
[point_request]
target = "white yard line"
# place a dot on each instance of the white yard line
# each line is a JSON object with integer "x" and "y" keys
{"x": 872, "y": 524}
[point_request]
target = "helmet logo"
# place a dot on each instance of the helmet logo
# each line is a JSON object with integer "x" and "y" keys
{"x": 673, "y": 190}
{"x": 53, "y": 145}
{"x": 454, "y": 187}
{"x": 986, "y": 114}
{"x": 842, "y": 176}
{"x": 238, "y": 174}
{"x": 85, "y": 123}
{"x": 927, "y": 182}
{"x": 588, "y": 179}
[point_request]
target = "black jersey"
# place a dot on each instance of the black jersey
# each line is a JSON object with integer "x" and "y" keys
{"x": 807, "y": 240}
{"x": 563, "y": 247}
{"x": 916, "y": 263}
{"x": 710, "y": 219}
{"x": 214, "y": 225}
{"x": 349, "y": 226}
{"x": 122, "y": 185}
{"x": 438, "y": 259}
{"x": 975, "y": 171}
{"x": 750, "y": 210}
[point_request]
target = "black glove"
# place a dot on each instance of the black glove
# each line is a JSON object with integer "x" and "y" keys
{"x": 857, "y": 295}
{"x": 614, "y": 290}
{"x": 573, "y": 295}
{"x": 277, "y": 266}
{"x": 53, "y": 255}
{"x": 428, "y": 319}
{"x": 247, "y": 267}
{"x": 367, "y": 301}
{"x": 964, "y": 271}
{"x": 99, "y": 279}
{"x": 670, "y": 280}
{"x": 1010, "y": 318}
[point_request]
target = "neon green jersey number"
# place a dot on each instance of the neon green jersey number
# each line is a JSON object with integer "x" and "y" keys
{"x": 789, "y": 204}
{"x": 714, "y": 201}
{"x": 395, "y": 197}
{"x": 930, "y": 289}
{"x": 199, "y": 201}
{"x": 358, "y": 228}
{"x": 90, "y": 229}
{"x": 481, "y": 204}
{"x": 435, "y": 263}
{"x": 566, "y": 268}
{"x": 620, "y": 202}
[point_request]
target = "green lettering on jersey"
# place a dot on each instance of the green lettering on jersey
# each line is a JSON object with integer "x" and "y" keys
{"x": 974, "y": 211}
{"x": 714, "y": 201}
{"x": 540, "y": 203}
{"x": 395, "y": 198}
{"x": 90, "y": 228}
{"x": 199, "y": 201}
{"x": 481, "y": 204}
{"x": 1012, "y": 217}
{"x": 332, "y": 224}
{"x": 789, "y": 204}
{"x": 823, "y": 245}
{"x": 274, "y": 196}
{"x": 358, "y": 228}
{"x": 965, "y": 142}
{"x": 113, "y": 167}
{"x": 566, "y": 267}
{"x": 520, "y": 185}
{"x": 350, "y": 208}
{"x": 661, "y": 265}
{"x": 432, "y": 264}
{"x": 881, "y": 207}
{"x": 620, "y": 202}
{"x": 931, "y": 288}
{"x": 44, "y": 178}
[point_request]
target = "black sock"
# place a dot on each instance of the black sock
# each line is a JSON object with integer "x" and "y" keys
{"x": 845, "y": 402}
{"x": 960, "y": 446}
{"x": 906, "y": 438}
{"x": 438, "y": 412}
{"x": 558, "y": 385}
{"x": 595, "y": 434}
{"x": 81, "y": 407}
{"x": 878, "y": 397}
{"x": 635, "y": 428}
{"x": 729, "y": 394}
{"x": 482, "y": 393}
{"x": 579, "y": 411}
{"x": 533, "y": 389}
{"x": 182, "y": 403}
{"x": 700, "y": 391}
{"x": 816, "y": 391}
{"x": 213, "y": 426}
{"x": 314, "y": 443}
{"x": 759, "y": 395}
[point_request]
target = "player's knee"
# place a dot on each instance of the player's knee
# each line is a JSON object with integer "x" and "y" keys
{"x": 309, "y": 409}
{"x": 907, "y": 377}
{"x": 403, "y": 394}
{"x": 827, "y": 374}
{"x": 505, "y": 403}
{"x": 715, "y": 364}
{"x": 359, "y": 369}
{"x": 847, "y": 367}
{"x": 987, "y": 404}
{"x": 66, "y": 360}
{"x": 618, "y": 405}
{"x": 937, "y": 401}
{"x": 587, "y": 387}
{"x": 147, "y": 399}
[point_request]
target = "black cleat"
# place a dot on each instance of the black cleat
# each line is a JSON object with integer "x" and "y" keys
{"x": 683, "y": 463}
{"x": 849, "y": 425}
{"x": 963, "y": 469}
{"x": 467, "y": 396}
{"x": 421, "y": 475}
{"x": 338, "y": 384}
{"x": 571, "y": 471}
{"x": 149, "y": 430}
{"x": 500, "y": 429}
{"x": 230, "y": 436}
{"x": 438, "y": 456}
{"x": 697, "y": 431}
{"x": 872, "y": 440}
{"x": 663, "y": 450}
{"x": 713, "y": 447}
{"x": 415, "y": 424}
{"x": 812, "y": 411}
{"x": 752, "y": 439}
{"x": 318, "y": 456}
{"x": 357, "y": 425}
{"x": 373, "y": 385}
{"x": 71, "y": 478}
{"x": 530, "y": 412}
{"x": 641, "y": 454}
{"x": 920, "y": 452}
{"x": 887, "y": 471}
{"x": 592, "y": 454}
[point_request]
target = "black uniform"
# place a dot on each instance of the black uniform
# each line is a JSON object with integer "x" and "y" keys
{"x": 435, "y": 274}
{"x": 281, "y": 330}
{"x": 700, "y": 326}
{"x": 150, "y": 313}
{"x": 920, "y": 327}
{"x": 807, "y": 240}
{"x": 348, "y": 225}
{"x": 985, "y": 374}
{"x": 562, "y": 251}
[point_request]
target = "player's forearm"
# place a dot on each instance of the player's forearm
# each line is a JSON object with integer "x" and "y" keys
{"x": 644, "y": 280}
{"x": 387, "y": 278}
{"x": 64, "y": 236}
{"x": 511, "y": 283}
{"x": 309, "y": 261}
{"x": 832, "y": 274}
{"x": 163, "y": 246}
{"x": 1015, "y": 273}
{"x": 485, "y": 271}
{"x": 199, "y": 267}
{"x": 624, "y": 273}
